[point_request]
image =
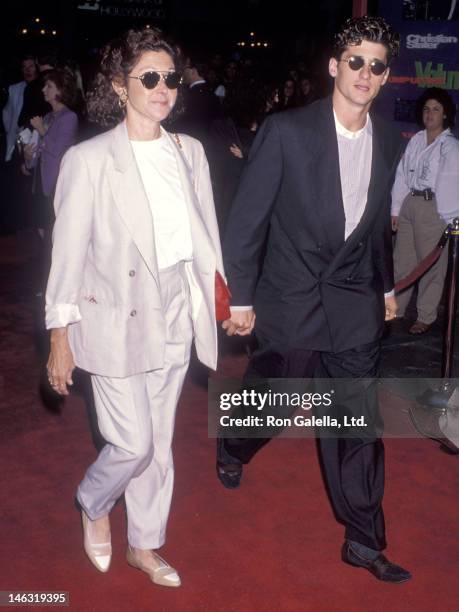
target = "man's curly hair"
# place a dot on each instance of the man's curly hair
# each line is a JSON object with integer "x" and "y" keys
{"x": 119, "y": 57}
{"x": 373, "y": 29}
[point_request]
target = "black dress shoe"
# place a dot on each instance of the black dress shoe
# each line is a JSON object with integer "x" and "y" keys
{"x": 229, "y": 474}
{"x": 380, "y": 567}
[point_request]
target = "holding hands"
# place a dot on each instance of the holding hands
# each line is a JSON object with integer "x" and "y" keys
{"x": 241, "y": 322}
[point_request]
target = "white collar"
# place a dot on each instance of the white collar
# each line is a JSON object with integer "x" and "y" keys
{"x": 446, "y": 132}
{"x": 200, "y": 82}
{"x": 343, "y": 131}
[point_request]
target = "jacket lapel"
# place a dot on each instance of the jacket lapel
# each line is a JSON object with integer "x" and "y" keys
{"x": 380, "y": 175}
{"x": 131, "y": 199}
{"x": 330, "y": 207}
{"x": 203, "y": 253}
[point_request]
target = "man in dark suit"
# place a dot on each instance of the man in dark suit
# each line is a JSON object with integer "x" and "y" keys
{"x": 317, "y": 185}
{"x": 201, "y": 104}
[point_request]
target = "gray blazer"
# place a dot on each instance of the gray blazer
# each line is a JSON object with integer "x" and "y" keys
{"x": 10, "y": 114}
{"x": 104, "y": 270}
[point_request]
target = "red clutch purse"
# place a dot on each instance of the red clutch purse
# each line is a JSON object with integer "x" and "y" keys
{"x": 222, "y": 298}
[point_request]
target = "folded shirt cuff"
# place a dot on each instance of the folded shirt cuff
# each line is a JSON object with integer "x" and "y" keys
{"x": 240, "y": 308}
{"x": 389, "y": 294}
{"x": 61, "y": 315}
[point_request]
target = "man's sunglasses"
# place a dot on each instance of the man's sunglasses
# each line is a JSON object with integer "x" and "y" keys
{"x": 151, "y": 78}
{"x": 356, "y": 62}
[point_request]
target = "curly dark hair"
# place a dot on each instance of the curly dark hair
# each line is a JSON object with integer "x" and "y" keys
{"x": 66, "y": 84}
{"x": 441, "y": 96}
{"x": 373, "y": 29}
{"x": 119, "y": 57}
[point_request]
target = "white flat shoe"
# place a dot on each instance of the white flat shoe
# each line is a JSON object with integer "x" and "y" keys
{"x": 100, "y": 555}
{"x": 163, "y": 574}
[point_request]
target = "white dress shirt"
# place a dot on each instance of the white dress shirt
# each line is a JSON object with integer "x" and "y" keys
{"x": 355, "y": 151}
{"x": 434, "y": 166}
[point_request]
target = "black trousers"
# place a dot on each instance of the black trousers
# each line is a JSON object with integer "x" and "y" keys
{"x": 353, "y": 464}
{"x": 16, "y": 190}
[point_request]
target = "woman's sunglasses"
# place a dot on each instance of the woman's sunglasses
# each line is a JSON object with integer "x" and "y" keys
{"x": 151, "y": 78}
{"x": 356, "y": 62}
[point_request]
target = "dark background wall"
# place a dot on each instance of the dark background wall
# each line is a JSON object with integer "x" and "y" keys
{"x": 290, "y": 27}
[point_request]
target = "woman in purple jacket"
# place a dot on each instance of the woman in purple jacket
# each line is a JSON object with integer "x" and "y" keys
{"x": 58, "y": 132}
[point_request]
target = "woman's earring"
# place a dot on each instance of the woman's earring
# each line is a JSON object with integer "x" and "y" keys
{"x": 123, "y": 100}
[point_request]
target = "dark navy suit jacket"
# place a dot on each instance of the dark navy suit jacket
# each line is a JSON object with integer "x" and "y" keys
{"x": 313, "y": 289}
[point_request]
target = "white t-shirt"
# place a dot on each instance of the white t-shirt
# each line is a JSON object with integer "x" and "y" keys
{"x": 158, "y": 170}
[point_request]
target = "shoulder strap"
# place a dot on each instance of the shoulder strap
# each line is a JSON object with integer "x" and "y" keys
{"x": 183, "y": 153}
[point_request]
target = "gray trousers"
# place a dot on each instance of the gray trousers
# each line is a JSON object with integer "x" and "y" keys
{"x": 136, "y": 417}
{"x": 419, "y": 229}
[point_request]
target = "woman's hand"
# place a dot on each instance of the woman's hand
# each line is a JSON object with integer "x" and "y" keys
{"x": 394, "y": 223}
{"x": 29, "y": 151}
{"x": 37, "y": 123}
{"x": 60, "y": 363}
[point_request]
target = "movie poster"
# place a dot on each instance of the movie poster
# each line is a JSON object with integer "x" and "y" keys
{"x": 429, "y": 56}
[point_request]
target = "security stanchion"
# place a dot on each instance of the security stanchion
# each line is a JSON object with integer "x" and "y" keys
{"x": 451, "y": 301}
{"x": 433, "y": 403}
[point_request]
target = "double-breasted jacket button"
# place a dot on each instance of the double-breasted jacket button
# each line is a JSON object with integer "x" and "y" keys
{"x": 133, "y": 313}
{"x": 319, "y": 246}
{"x": 131, "y": 272}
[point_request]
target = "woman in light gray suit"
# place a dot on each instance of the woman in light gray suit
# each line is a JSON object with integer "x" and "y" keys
{"x": 135, "y": 252}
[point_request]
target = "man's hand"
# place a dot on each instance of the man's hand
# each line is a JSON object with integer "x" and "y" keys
{"x": 391, "y": 308}
{"x": 394, "y": 223}
{"x": 236, "y": 151}
{"x": 241, "y": 323}
{"x": 60, "y": 363}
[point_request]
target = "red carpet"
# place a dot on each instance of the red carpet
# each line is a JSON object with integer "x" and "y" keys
{"x": 271, "y": 545}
